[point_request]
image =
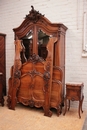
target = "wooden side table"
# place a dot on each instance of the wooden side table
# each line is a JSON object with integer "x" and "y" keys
{"x": 1, "y": 90}
{"x": 74, "y": 92}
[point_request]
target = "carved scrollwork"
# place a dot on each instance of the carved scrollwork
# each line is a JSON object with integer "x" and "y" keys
{"x": 38, "y": 103}
{"x": 33, "y": 72}
{"x": 33, "y": 15}
{"x": 48, "y": 66}
{"x": 31, "y": 103}
{"x": 35, "y": 58}
{"x": 46, "y": 76}
{"x": 16, "y": 82}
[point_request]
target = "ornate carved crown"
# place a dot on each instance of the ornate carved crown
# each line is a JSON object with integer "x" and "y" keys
{"x": 34, "y": 15}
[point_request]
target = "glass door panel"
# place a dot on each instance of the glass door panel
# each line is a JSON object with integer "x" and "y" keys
{"x": 27, "y": 42}
{"x": 43, "y": 40}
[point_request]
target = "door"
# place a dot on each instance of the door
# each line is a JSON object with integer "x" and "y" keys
{"x": 2, "y": 61}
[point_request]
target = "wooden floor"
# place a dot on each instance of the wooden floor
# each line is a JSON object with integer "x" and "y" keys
{"x": 26, "y": 118}
{"x": 85, "y": 124}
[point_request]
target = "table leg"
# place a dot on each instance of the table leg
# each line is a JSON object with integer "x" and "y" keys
{"x": 79, "y": 109}
{"x": 69, "y": 105}
{"x": 65, "y": 106}
{"x": 82, "y": 103}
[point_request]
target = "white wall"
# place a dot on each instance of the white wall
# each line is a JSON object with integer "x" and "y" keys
{"x": 68, "y": 12}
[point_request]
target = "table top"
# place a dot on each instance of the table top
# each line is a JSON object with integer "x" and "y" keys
{"x": 75, "y": 83}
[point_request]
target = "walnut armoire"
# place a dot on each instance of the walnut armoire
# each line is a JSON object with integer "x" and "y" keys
{"x": 38, "y": 74}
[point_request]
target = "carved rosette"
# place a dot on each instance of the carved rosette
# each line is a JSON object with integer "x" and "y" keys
{"x": 46, "y": 76}
{"x": 17, "y": 74}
